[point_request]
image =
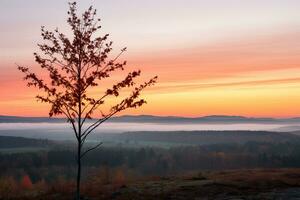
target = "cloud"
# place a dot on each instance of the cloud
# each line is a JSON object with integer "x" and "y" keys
{"x": 175, "y": 87}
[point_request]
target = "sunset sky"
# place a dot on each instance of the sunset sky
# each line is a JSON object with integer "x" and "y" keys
{"x": 213, "y": 57}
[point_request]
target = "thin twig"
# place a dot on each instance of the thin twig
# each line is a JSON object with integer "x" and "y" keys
{"x": 95, "y": 147}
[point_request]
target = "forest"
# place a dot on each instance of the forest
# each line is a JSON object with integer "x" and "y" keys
{"x": 150, "y": 161}
{"x": 37, "y": 166}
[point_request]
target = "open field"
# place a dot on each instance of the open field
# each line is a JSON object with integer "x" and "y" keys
{"x": 260, "y": 184}
{"x": 236, "y": 184}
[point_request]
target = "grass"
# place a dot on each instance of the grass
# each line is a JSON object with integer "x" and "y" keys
{"x": 230, "y": 184}
{"x": 245, "y": 184}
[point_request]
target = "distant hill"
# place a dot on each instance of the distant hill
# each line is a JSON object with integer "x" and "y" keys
{"x": 158, "y": 119}
{"x": 294, "y": 128}
{"x": 18, "y": 142}
{"x": 206, "y": 119}
{"x": 16, "y": 119}
{"x": 208, "y": 137}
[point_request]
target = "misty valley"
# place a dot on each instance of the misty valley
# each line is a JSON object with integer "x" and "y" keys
{"x": 40, "y": 157}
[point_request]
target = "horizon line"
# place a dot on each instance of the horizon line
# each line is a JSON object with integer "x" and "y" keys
{"x": 166, "y": 116}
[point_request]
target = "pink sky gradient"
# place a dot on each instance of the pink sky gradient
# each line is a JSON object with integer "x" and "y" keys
{"x": 212, "y": 57}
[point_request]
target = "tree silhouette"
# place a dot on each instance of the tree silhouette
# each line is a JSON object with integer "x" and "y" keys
{"x": 75, "y": 65}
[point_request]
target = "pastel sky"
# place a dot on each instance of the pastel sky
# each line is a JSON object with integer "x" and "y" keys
{"x": 226, "y": 57}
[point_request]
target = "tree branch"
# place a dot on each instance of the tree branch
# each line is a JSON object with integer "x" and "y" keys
{"x": 95, "y": 106}
{"x": 96, "y": 124}
{"x": 91, "y": 149}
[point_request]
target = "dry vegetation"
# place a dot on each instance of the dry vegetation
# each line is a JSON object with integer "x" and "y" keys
{"x": 120, "y": 184}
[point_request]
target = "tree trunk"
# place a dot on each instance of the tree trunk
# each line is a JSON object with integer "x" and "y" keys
{"x": 78, "y": 172}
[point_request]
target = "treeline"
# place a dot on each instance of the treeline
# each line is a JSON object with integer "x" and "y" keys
{"x": 207, "y": 137}
{"x": 18, "y": 142}
{"x": 50, "y": 165}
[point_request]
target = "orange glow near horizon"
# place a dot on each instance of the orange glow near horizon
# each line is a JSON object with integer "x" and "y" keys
{"x": 252, "y": 70}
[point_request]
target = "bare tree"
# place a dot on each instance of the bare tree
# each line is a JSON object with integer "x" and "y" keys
{"x": 75, "y": 65}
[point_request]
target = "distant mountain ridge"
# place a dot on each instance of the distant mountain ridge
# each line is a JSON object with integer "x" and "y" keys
{"x": 208, "y": 137}
{"x": 17, "y": 119}
{"x": 17, "y": 142}
{"x": 159, "y": 119}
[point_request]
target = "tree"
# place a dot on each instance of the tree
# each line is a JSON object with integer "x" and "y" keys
{"x": 26, "y": 182}
{"x": 76, "y": 65}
